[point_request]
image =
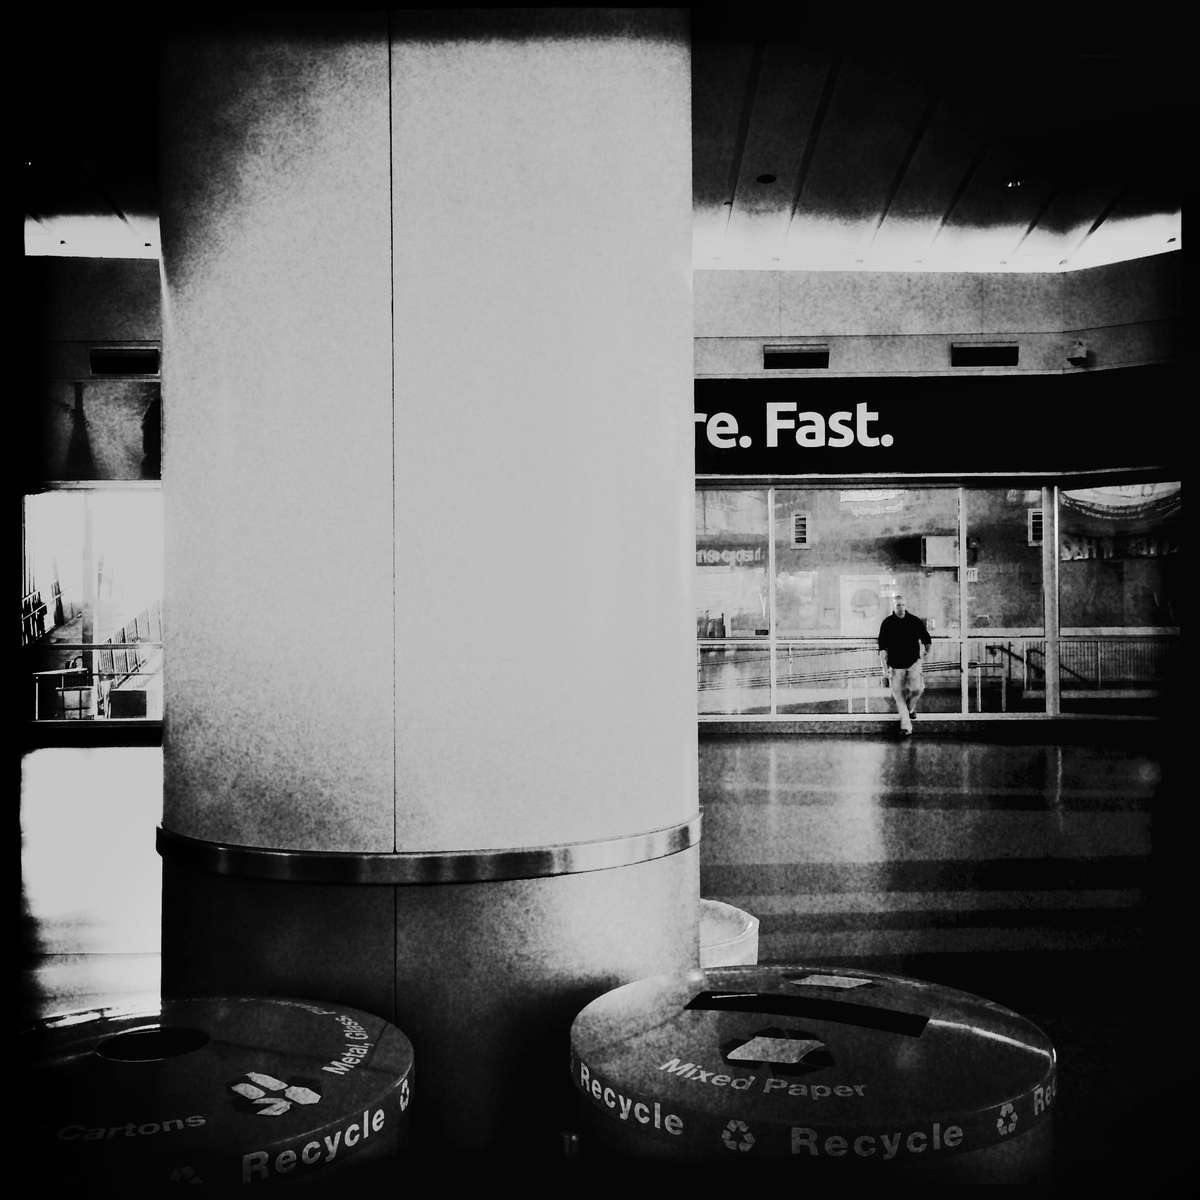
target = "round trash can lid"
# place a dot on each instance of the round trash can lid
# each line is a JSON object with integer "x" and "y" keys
{"x": 226, "y": 1089}
{"x": 813, "y": 1061}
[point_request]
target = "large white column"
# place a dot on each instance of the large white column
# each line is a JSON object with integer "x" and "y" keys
{"x": 545, "y": 655}
{"x": 277, "y": 461}
{"x": 430, "y": 743}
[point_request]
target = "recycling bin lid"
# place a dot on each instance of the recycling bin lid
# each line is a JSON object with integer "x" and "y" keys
{"x": 232, "y": 1089}
{"x": 808, "y": 1060}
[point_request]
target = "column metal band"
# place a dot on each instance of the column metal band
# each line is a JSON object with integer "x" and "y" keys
{"x": 439, "y": 866}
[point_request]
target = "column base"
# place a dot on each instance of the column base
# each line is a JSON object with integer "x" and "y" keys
{"x": 483, "y": 978}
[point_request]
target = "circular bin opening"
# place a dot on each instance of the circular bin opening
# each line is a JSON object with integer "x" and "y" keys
{"x": 153, "y": 1043}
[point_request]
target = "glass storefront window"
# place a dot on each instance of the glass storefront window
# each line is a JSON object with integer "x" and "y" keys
{"x": 734, "y": 679}
{"x": 1005, "y": 601}
{"x": 812, "y": 571}
{"x": 1119, "y": 558}
{"x": 1004, "y": 561}
{"x": 92, "y": 603}
{"x": 731, "y": 564}
{"x": 841, "y": 555}
{"x": 1120, "y": 593}
{"x": 1006, "y": 674}
{"x": 822, "y": 677}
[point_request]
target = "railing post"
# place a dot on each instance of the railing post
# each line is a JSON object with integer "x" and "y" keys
{"x": 771, "y": 620}
{"x": 964, "y": 655}
{"x": 1050, "y": 583}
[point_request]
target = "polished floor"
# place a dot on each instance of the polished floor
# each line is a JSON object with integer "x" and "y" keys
{"x": 90, "y": 877}
{"x": 1048, "y": 876}
{"x": 849, "y": 847}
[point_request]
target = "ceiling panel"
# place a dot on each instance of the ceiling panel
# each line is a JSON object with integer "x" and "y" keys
{"x": 992, "y": 215}
{"x": 720, "y": 94}
{"x": 893, "y": 156}
{"x": 985, "y": 149}
{"x": 87, "y": 82}
{"x": 942, "y": 163}
{"x": 784, "y": 110}
{"x": 858, "y": 164}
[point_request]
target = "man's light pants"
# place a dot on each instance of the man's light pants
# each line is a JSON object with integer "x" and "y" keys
{"x": 908, "y": 683}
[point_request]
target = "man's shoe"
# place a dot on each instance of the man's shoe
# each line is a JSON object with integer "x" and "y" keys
{"x": 906, "y": 732}
{"x": 912, "y": 716}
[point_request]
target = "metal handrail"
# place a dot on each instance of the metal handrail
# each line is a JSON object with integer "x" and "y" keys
{"x": 93, "y": 675}
{"x": 835, "y": 664}
{"x": 135, "y": 645}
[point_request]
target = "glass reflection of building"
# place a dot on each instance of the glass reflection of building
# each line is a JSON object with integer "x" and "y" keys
{"x": 91, "y": 497}
{"x": 792, "y": 583}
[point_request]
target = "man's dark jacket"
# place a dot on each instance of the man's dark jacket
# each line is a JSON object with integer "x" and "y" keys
{"x": 901, "y": 637}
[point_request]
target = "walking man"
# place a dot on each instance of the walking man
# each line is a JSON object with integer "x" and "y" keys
{"x": 903, "y": 641}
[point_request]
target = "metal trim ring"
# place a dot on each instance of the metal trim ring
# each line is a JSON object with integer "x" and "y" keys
{"x": 437, "y": 866}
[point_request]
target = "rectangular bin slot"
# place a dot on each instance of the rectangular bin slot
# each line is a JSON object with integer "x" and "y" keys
{"x": 776, "y": 1005}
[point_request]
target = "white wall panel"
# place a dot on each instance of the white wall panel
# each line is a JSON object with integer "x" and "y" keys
{"x": 277, "y": 452}
{"x": 879, "y": 302}
{"x": 737, "y": 303}
{"x": 544, "y": 633}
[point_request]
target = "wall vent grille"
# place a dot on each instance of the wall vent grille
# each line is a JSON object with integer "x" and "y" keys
{"x": 992, "y": 354}
{"x": 135, "y": 360}
{"x": 795, "y": 358}
{"x": 1034, "y": 520}
{"x": 799, "y": 530}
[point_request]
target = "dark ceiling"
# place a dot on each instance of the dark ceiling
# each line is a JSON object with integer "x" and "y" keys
{"x": 1009, "y": 148}
{"x": 809, "y": 152}
{"x": 88, "y": 135}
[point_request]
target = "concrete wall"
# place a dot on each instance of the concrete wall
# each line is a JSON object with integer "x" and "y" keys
{"x": 83, "y": 426}
{"x": 93, "y": 299}
{"x": 902, "y": 323}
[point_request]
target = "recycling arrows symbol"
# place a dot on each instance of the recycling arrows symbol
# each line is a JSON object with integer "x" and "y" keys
{"x": 737, "y": 1136}
{"x": 1006, "y": 1122}
{"x": 271, "y": 1097}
